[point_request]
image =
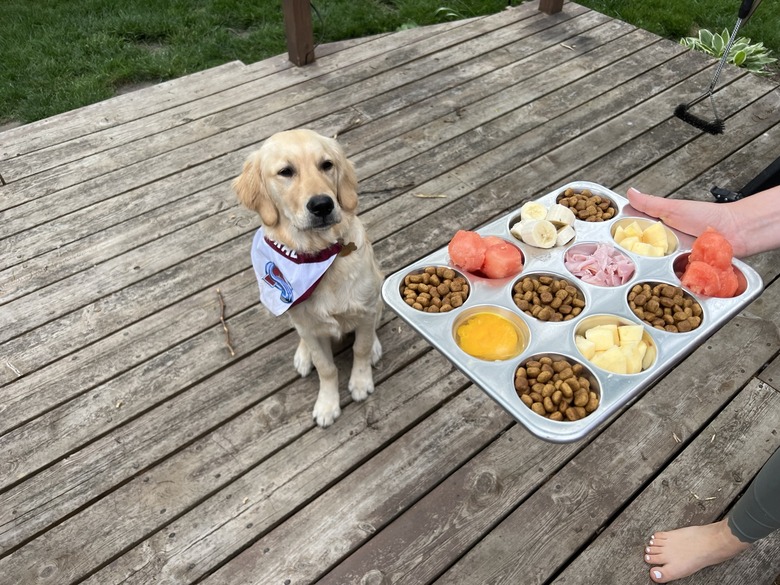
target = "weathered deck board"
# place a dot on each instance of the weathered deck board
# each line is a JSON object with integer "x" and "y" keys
{"x": 137, "y": 449}
{"x": 83, "y": 121}
{"x": 697, "y": 488}
{"x": 570, "y": 507}
{"x": 250, "y": 122}
{"x": 96, "y": 220}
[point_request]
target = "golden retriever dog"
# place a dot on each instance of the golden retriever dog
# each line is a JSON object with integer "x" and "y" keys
{"x": 312, "y": 257}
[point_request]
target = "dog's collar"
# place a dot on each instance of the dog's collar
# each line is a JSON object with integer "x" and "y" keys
{"x": 338, "y": 247}
{"x": 302, "y": 257}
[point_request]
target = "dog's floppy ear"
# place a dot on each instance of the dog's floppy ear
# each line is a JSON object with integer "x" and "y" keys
{"x": 346, "y": 188}
{"x": 252, "y": 193}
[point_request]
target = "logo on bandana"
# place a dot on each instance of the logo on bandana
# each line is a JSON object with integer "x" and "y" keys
{"x": 275, "y": 278}
{"x": 287, "y": 277}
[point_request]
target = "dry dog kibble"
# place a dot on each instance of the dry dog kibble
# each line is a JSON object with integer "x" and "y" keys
{"x": 665, "y": 307}
{"x": 556, "y": 389}
{"x": 436, "y": 289}
{"x": 547, "y": 298}
{"x": 587, "y": 206}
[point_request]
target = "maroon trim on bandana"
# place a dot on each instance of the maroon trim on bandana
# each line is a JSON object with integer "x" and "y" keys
{"x": 302, "y": 258}
{"x": 309, "y": 292}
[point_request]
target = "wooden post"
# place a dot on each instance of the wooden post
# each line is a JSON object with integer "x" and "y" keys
{"x": 299, "y": 31}
{"x": 550, "y": 6}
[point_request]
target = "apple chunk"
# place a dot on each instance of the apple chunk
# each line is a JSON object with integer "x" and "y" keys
{"x": 612, "y": 360}
{"x": 603, "y": 336}
{"x": 627, "y": 333}
{"x": 621, "y": 349}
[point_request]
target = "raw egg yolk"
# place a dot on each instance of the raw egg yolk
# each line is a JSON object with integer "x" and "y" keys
{"x": 489, "y": 337}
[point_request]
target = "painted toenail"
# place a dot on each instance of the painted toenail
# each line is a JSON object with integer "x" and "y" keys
{"x": 647, "y": 549}
{"x": 657, "y": 574}
{"x": 647, "y": 557}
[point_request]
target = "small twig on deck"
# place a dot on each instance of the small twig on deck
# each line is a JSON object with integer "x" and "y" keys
{"x": 702, "y": 499}
{"x": 429, "y": 196}
{"x": 570, "y": 47}
{"x": 224, "y": 325}
{"x": 713, "y": 438}
{"x": 353, "y": 123}
{"x": 676, "y": 438}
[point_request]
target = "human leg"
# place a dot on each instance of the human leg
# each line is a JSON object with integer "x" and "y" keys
{"x": 682, "y": 552}
{"x": 757, "y": 513}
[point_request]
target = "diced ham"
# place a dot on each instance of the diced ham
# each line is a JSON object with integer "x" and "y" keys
{"x": 605, "y": 266}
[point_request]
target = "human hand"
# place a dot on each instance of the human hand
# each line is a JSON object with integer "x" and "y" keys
{"x": 689, "y": 216}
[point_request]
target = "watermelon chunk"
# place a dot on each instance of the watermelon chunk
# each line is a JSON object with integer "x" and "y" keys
{"x": 489, "y": 256}
{"x": 502, "y": 259}
{"x": 711, "y": 247}
{"x": 467, "y": 250}
{"x": 701, "y": 278}
{"x": 493, "y": 240}
{"x": 709, "y": 271}
{"x": 729, "y": 283}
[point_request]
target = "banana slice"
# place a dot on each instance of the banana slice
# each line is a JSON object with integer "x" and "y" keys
{"x": 560, "y": 215}
{"x": 539, "y": 233}
{"x": 532, "y": 210}
{"x": 565, "y": 235}
{"x": 517, "y": 229}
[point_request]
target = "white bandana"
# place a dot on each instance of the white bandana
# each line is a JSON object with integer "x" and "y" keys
{"x": 284, "y": 276}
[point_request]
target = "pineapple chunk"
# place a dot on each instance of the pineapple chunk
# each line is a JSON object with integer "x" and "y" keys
{"x": 629, "y": 242}
{"x": 602, "y": 336}
{"x": 613, "y": 328}
{"x": 612, "y": 360}
{"x": 620, "y": 233}
{"x": 628, "y": 333}
{"x": 620, "y": 349}
{"x": 634, "y": 351}
{"x": 656, "y": 236}
{"x": 634, "y": 229}
{"x": 586, "y": 346}
{"x": 649, "y": 358}
{"x": 645, "y": 249}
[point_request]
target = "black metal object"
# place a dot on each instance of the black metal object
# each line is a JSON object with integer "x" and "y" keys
{"x": 716, "y": 125}
{"x": 766, "y": 179}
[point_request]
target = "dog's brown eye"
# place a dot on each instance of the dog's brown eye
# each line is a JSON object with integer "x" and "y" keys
{"x": 286, "y": 172}
{"x": 326, "y": 165}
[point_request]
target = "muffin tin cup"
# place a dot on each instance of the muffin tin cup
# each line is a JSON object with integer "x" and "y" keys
{"x": 616, "y": 390}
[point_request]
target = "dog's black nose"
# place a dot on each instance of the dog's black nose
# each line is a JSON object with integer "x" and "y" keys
{"x": 320, "y": 205}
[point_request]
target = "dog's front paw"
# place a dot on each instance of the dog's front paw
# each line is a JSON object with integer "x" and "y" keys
{"x": 302, "y": 359}
{"x": 326, "y": 410}
{"x": 361, "y": 385}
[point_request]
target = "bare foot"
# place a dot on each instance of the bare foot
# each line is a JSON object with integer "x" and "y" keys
{"x": 684, "y": 551}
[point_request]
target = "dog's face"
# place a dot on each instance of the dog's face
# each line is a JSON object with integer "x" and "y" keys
{"x": 302, "y": 185}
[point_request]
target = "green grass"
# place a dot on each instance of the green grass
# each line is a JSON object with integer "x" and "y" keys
{"x": 58, "y": 55}
{"x": 675, "y": 19}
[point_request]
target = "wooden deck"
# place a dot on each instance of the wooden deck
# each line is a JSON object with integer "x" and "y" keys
{"x": 135, "y": 449}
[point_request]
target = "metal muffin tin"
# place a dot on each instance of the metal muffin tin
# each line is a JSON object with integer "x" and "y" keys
{"x": 496, "y": 378}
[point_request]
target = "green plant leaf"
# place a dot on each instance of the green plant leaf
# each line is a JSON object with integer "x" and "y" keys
{"x": 742, "y": 53}
{"x": 717, "y": 44}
